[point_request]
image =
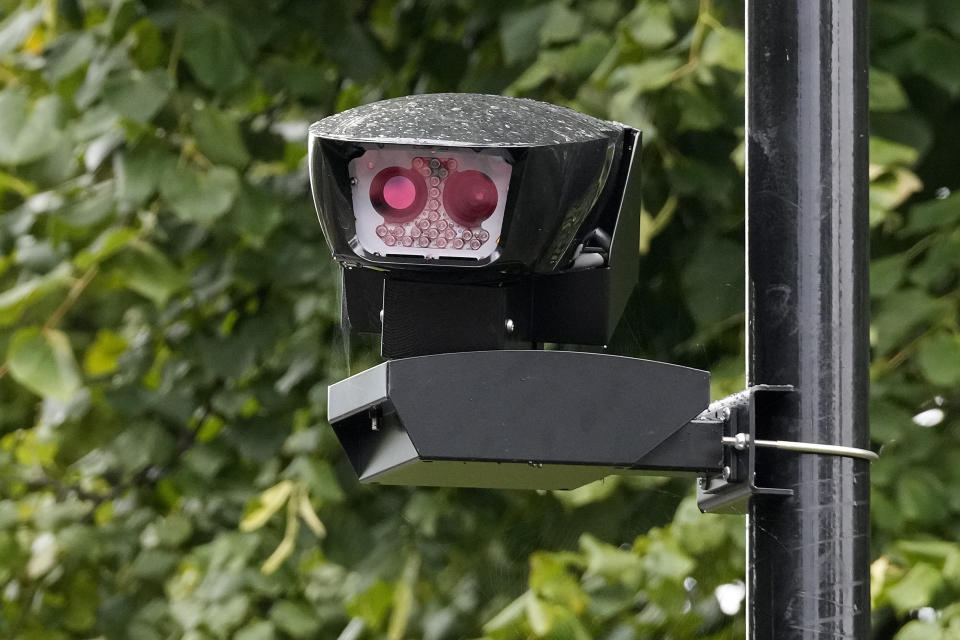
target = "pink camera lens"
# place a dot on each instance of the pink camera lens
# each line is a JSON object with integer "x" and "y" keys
{"x": 470, "y": 197}
{"x": 398, "y": 194}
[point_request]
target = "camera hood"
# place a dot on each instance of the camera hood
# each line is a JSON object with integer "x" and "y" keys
{"x": 552, "y": 171}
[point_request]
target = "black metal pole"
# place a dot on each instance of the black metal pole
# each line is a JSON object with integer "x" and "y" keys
{"x": 808, "y": 556}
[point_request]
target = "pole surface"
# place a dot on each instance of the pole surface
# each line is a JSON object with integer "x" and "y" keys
{"x": 807, "y": 251}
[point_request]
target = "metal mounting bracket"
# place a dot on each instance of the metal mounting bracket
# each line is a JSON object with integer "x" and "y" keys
{"x": 523, "y": 419}
{"x": 731, "y": 491}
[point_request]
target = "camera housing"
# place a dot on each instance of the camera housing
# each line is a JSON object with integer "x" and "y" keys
{"x": 471, "y": 229}
{"x": 469, "y": 222}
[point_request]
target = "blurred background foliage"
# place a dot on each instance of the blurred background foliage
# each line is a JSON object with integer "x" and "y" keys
{"x": 169, "y": 324}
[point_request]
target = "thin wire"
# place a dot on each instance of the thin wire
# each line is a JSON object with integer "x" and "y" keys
{"x": 805, "y": 447}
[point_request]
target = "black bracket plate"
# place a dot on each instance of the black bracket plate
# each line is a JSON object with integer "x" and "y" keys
{"x": 524, "y": 419}
{"x": 730, "y": 492}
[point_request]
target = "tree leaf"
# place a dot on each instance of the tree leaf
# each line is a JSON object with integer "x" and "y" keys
{"x": 929, "y": 52}
{"x": 81, "y": 613}
{"x": 296, "y": 618}
{"x": 921, "y": 497}
{"x": 562, "y": 25}
{"x": 900, "y": 313}
{"x": 888, "y": 421}
{"x": 887, "y": 153}
{"x": 42, "y": 361}
{"x": 15, "y": 300}
{"x": 255, "y": 214}
{"x": 573, "y": 62}
{"x": 144, "y": 269}
{"x": 934, "y": 214}
{"x": 919, "y": 630}
{"x": 651, "y": 25}
{"x": 939, "y": 359}
{"x": 199, "y": 197}
{"x": 520, "y": 33}
{"x": 317, "y": 476}
{"x": 539, "y": 615}
{"x": 713, "y": 281}
{"x": 890, "y": 190}
{"x": 17, "y": 26}
{"x": 372, "y": 605}
{"x": 149, "y": 48}
{"x": 699, "y": 112}
{"x": 256, "y": 630}
{"x": 138, "y": 174}
{"x": 649, "y": 75}
{"x": 551, "y": 579}
{"x": 28, "y": 131}
{"x": 589, "y": 493}
{"x": 142, "y": 445}
{"x": 101, "y": 356}
{"x": 725, "y": 48}
{"x": 886, "y": 274}
{"x": 212, "y": 52}
{"x": 136, "y": 95}
{"x": 610, "y": 562}
{"x": 89, "y": 209}
{"x": 916, "y": 589}
{"x": 886, "y": 93}
{"x": 107, "y": 243}
{"x": 218, "y": 137}
{"x": 70, "y": 55}
{"x": 350, "y": 45}
{"x": 509, "y": 617}
{"x": 664, "y": 559}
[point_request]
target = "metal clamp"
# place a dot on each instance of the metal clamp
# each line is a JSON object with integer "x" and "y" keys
{"x": 738, "y": 414}
{"x": 731, "y": 491}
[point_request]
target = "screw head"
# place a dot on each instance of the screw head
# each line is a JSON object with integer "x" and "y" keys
{"x": 509, "y": 326}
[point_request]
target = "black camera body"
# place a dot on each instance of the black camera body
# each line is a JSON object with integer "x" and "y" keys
{"x": 533, "y": 209}
{"x": 471, "y": 230}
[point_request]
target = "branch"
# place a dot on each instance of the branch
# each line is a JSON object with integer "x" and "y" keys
{"x": 64, "y": 307}
{"x": 71, "y": 298}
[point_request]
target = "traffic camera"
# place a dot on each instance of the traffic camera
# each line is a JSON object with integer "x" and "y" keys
{"x": 471, "y": 231}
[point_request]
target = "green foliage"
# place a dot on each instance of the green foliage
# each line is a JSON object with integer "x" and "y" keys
{"x": 42, "y": 361}
{"x": 168, "y": 324}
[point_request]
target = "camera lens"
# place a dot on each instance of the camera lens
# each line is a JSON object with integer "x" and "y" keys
{"x": 398, "y": 194}
{"x": 469, "y": 197}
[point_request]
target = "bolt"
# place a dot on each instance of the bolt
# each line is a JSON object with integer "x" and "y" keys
{"x": 726, "y": 473}
{"x": 741, "y": 441}
{"x": 509, "y": 326}
{"x": 726, "y": 414}
{"x": 701, "y": 481}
